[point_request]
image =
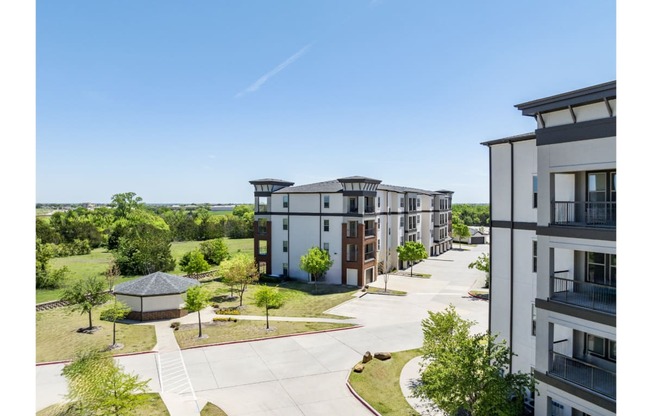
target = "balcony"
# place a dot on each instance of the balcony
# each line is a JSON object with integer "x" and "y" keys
{"x": 369, "y": 232}
{"x": 352, "y": 209}
{"x": 369, "y": 256}
{"x": 584, "y": 374}
{"x": 369, "y": 209}
{"x": 352, "y": 233}
{"x": 584, "y": 214}
{"x": 584, "y": 294}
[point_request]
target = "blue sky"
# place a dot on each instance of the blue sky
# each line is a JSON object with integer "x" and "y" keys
{"x": 188, "y": 101}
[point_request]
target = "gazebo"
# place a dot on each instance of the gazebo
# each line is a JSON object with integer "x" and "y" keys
{"x": 155, "y": 296}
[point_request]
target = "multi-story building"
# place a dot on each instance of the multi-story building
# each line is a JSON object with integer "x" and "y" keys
{"x": 359, "y": 220}
{"x": 553, "y": 250}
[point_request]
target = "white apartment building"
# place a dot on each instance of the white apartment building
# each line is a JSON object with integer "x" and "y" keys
{"x": 359, "y": 220}
{"x": 553, "y": 250}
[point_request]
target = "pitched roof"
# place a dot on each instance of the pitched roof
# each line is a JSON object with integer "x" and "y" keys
{"x": 158, "y": 283}
{"x": 328, "y": 186}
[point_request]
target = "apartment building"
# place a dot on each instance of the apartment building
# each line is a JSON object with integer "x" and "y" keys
{"x": 359, "y": 220}
{"x": 553, "y": 251}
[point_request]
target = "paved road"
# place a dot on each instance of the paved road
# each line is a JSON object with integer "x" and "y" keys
{"x": 306, "y": 374}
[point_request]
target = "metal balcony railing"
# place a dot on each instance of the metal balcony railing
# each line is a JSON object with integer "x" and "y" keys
{"x": 369, "y": 209}
{"x": 584, "y": 214}
{"x": 584, "y": 374}
{"x": 352, "y": 210}
{"x": 370, "y": 232}
{"x": 585, "y": 294}
{"x": 353, "y": 233}
{"x": 369, "y": 256}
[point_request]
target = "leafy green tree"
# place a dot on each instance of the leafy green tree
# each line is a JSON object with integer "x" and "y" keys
{"x": 461, "y": 231}
{"x": 482, "y": 264}
{"x": 239, "y": 271}
{"x": 241, "y": 210}
{"x": 214, "y": 227}
{"x": 144, "y": 245}
{"x": 125, "y": 203}
{"x": 412, "y": 251}
{"x": 215, "y": 251}
{"x": 467, "y": 374}
{"x": 316, "y": 262}
{"x": 268, "y": 298}
{"x": 46, "y": 232}
{"x": 193, "y": 262}
{"x": 116, "y": 311}
{"x": 86, "y": 294}
{"x": 46, "y": 276}
{"x": 472, "y": 214}
{"x": 197, "y": 298}
{"x": 99, "y": 386}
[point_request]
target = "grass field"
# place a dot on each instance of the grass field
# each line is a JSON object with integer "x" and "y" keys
{"x": 378, "y": 384}
{"x": 216, "y": 332}
{"x": 57, "y": 337}
{"x": 95, "y": 264}
{"x": 301, "y": 299}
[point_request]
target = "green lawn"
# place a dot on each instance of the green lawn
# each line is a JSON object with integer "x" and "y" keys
{"x": 301, "y": 299}
{"x": 216, "y": 332}
{"x": 378, "y": 384}
{"x": 154, "y": 406}
{"x": 95, "y": 264}
{"x": 57, "y": 337}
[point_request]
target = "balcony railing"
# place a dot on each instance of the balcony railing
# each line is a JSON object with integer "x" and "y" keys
{"x": 584, "y": 374}
{"x": 584, "y": 214}
{"x": 369, "y": 256}
{"x": 369, "y": 209}
{"x": 352, "y": 233}
{"x": 352, "y": 210}
{"x": 370, "y": 232}
{"x": 585, "y": 294}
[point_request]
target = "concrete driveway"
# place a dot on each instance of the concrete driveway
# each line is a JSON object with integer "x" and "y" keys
{"x": 306, "y": 374}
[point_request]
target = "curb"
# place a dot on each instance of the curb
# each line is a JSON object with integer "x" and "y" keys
{"x": 360, "y": 399}
{"x": 116, "y": 355}
{"x": 478, "y": 297}
{"x": 274, "y": 337}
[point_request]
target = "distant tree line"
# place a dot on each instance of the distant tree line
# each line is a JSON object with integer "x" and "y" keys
{"x": 139, "y": 236}
{"x": 472, "y": 214}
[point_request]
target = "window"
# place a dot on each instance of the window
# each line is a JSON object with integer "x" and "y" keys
{"x": 286, "y": 201}
{"x": 535, "y": 190}
{"x": 285, "y": 269}
{"x": 402, "y": 203}
{"x": 401, "y": 240}
{"x": 378, "y": 202}
{"x": 326, "y": 246}
{"x": 285, "y": 246}
{"x": 601, "y": 268}
{"x": 262, "y": 226}
{"x": 327, "y": 225}
{"x": 534, "y": 320}
{"x": 556, "y": 409}
{"x": 351, "y": 252}
{"x": 418, "y": 219}
{"x": 534, "y": 256}
{"x": 418, "y": 235}
{"x": 402, "y": 222}
{"x": 262, "y": 247}
{"x": 379, "y": 244}
{"x": 600, "y": 347}
{"x": 327, "y": 201}
{"x": 285, "y": 223}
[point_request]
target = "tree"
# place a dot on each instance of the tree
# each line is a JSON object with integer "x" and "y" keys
{"x": 467, "y": 374}
{"x": 46, "y": 277}
{"x": 316, "y": 262}
{"x": 86, "y": 294}
{"x": 461, "y": 230}
{"x": 125, "y": 203}
{"x": 482, "y": 264}
{"x": 412, "y": 251}
{"x": 239, "y": 272}
{"x": 197, "y": 298}
{"x": 268, "y": 298}
{"x": 118, "y": 310}
{"x": 215, "y": 251}
{"x": 99, "y": 386}
{"x": 193, "y": 262}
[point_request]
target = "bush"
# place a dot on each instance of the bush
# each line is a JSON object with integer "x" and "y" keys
{"x": 228, "y": 311}
{"x": 175, "y": 325}
{"x": 229, "y": 319}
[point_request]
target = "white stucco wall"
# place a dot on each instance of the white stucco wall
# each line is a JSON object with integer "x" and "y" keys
{"x": 162, "y": 303}
{"x": 132, "y": 301}
{"x": 501, "y": 182}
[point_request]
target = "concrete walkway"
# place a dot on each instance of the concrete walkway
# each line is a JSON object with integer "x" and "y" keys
{"x": 304, "y": 374}
{"x": 410, "y": 378}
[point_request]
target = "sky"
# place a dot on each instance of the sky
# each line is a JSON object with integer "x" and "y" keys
{"x": 189, "y": 101}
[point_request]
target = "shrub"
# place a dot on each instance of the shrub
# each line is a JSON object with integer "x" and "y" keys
{"x": 228, "y": 311}
{"x": 175, "y": 325}
{"x": 220, "y": 319}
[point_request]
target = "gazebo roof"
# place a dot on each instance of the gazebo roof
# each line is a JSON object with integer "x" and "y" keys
{"x": 158, "y": 283}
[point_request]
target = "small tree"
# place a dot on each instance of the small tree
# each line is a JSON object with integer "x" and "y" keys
{"x": 467, "y": 374}
{"x": 412, "y": 251}
{"x": 118, "y": 310}
{"x": 268, "y": 298}
{"x": 197, "y": 298}
{"x": 193, "y": 263}
{"x": 482, "y": 264}
{"x": 316, "y": 262}
{"x": 97, "y": 385}
{"x": 460, "y": 231}
{"x": 239, "y": 271}
{"x": 86, "y": 294}
{"x": 214, "y": 251}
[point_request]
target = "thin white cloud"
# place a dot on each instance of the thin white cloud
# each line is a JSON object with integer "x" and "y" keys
{"x": 262, "y": 80}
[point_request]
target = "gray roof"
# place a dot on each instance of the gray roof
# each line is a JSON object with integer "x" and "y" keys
{"x": 511, "y": 139}
{"x": 394, "y": 188}
{"x": 582, "y": 96}
{"x": 158, "y": 283}
{"x": 328, "y": 186}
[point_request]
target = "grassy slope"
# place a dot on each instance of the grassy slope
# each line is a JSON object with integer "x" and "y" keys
{"x": 379, "y": 384}
{"x": 95, "y": 264}
{"x": 153, "y": 407}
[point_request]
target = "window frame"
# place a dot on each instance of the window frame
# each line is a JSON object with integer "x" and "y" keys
{"x": 327, "y": 226}
{"x": 286, "y": 201}
{"x": 327, "y": 201}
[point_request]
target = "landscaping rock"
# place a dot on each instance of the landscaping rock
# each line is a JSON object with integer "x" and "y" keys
{"x": 358, "y": 368}
{"x": 383, "y": 356}
{"x": 367, "y": 357}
